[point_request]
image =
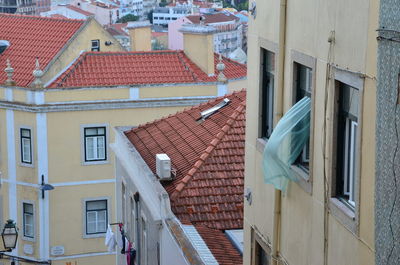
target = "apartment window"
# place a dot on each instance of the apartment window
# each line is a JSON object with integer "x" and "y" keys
{"x": 96, "y": 216}
{"x": 347, "y": 128}
{"x": 132, "y": 218}
{"x": 95, "y": 144}
{"x": 26, "y": 146}
{"x": 143, "y": 240}
{"x": 123, "y": 202}
{"x": 28, "y": 220}
{"x": 260, "y": 251}
{"x": 95, "y": 45}
{"x": 267, "y": 93}
{"x": 303, "y": 88}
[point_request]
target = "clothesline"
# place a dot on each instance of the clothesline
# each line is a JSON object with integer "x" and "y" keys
{"x": 123, "y": 242}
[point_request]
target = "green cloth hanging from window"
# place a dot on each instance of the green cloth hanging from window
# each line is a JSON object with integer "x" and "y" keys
{"x": 285, "y": 144}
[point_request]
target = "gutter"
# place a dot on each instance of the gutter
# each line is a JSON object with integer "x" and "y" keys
{"x": 278, "y": 115}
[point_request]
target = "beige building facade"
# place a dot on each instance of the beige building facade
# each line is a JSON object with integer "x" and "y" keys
{"x": 325, "y": 50}
{"x": 52, "y": 136}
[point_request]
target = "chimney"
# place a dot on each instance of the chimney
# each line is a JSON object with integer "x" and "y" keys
{"x": 198, "y": 44}
{"x": 140, "y": 35}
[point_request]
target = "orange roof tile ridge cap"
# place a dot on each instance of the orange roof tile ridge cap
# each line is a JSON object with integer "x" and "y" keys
{"x": 182, "y": 56}
{"x": 209, "y": 149}
{"x": 72, "y": 68}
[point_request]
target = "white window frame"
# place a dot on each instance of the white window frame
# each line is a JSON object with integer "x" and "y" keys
{"x": 95, "y": 48}
{"x": 21, "y": 138}
{"x": 84, "y": 217}
{"x": 83, "y": 144}
{"x": 349, "y": 218}
{"x": 24, "y": 237}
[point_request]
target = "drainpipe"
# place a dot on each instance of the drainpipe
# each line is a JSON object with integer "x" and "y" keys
{"x": 278, "y": 115}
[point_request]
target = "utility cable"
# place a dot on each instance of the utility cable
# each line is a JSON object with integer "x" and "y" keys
{"x": 394, "y": 178}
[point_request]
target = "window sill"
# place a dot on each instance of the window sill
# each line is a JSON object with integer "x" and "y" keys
{"x": 88, "y": 163}
{"x": 260, "y": 144}
{"x": 30, "y": 239}
{"x": 22, "y": 164}
{"x": 304, "y": 180}
{"x": 94, "y": 235}
{"x": 344, "y": 215}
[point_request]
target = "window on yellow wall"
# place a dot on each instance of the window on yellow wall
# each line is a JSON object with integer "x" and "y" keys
{"x": 96, "y": 217}
{"x": 26, "y": 146}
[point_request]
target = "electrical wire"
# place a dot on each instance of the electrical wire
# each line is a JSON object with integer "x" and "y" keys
{"x": 394, "y": 178}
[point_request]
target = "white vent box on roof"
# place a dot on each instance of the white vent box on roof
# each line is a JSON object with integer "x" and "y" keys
{"x": 163, "y": 166}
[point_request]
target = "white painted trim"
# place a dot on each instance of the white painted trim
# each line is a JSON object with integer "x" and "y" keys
{"x": 85, "y": 255}
{"x": 39, "y": 97}
{"x": 12, "y": 171}
{"x": 104, "y": 105}
{"x": 134, "y": 93}
{"x": 131, "y": 97}
{"x": 77, "y": 183}
{"x": 61, "y": 184}
{"x": 42, "y": 162}
{"x": 198, "y": 243}
{"x": 21, "y": 183}
{"x": 222, "y": 90}
{"x": 9, "y": 94}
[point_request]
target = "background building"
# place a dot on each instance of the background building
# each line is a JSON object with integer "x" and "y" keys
{"x": 227, "y": 37}
{"x": 321, "y": 51}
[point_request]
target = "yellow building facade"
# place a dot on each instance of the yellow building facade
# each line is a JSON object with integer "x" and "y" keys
{"x": 47, "y": 137}
{"x": 325, "y": 50}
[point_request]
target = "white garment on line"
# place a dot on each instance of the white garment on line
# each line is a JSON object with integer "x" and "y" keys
{"x": 110, "y": 241}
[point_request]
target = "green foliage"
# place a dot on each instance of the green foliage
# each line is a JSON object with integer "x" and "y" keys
{"x": 157, "y": 45}
{"x": 243, "y": 6}
{"x": 127, "y": 18}
{"x": 163, "y": 3}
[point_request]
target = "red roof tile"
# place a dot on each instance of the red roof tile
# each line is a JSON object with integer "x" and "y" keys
{"x": 208, "y": 156}
{"x": 222, "y": 249}
{"x": 138, "y": 68}
{"x": 32, "y": 37}
{"x": 209, "y": 160}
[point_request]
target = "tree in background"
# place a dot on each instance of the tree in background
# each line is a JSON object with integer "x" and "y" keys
{"x": 127, "y": 18}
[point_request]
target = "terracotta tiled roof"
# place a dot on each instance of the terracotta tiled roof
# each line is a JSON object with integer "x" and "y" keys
{"x": 212, "y": 18}
{"x": 58, "y": 16}
{"x": 220, "y": 246}
{"x": 208, "y": 157}
{"x": 32, "y": 37}
{"x": 138, "y": 68}
{"x": 79, "y": 10}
